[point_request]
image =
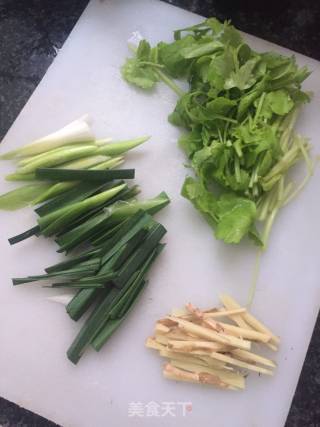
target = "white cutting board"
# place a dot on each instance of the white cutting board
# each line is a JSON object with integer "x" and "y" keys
{"x": 35, "y": 333}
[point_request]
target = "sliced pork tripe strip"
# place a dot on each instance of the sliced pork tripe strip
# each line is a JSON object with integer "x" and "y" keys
{"x": 179, "y": 312}
{"x": 200, "y": 353}
{"x": 211, "y": 313}
{"x": 161, "y": 339}
{"x": 254, "y": 323}
{"x": 195, "y": 311}
{"x": 152, "y": 343}
{"x": 199, "y": 360}
{"x": 178, "y": 334}
{"x": 173, "y": 373}
{"x": 168, "y": 322}
{"x": 233, "y": 379}
{"x": 174, "y": 331}
{"x": 190, "y": 347}
{"x": 210, "y": 361}
{"x": 222, "y": 312}
{"x": 239, "y": 320}
{"x": 186, "y": 346}
{"x": 237, "y": 331}
{"x": 272, "y": 346}
{"x": 227, "y": 328}
{"x": 165, "y": 338}
{"x": 167, "y": 325}
{"x": 161, "y": 329}
{"x": 247, "y": 356}
{"x": 212, "y": 324}
{"x": 158, "y": 343}
{"x": 235, "y": 362}
{"x": 211, "y": 335}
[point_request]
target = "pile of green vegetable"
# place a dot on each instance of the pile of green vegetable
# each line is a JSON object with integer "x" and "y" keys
{"x": 95, "y": 212}
{"x": 239, "y": 114}
{"x": 72, "y": 147}
{"x": 109, "y": 274}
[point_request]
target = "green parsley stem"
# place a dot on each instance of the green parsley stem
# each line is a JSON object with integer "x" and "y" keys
{"x": 169, "y": 82}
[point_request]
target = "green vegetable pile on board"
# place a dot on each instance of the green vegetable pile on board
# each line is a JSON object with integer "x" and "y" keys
{"x": 110, "y": 274}
{"x": 94, "y": 211}
{"x": 72, "y": 147}
{"x": 239, "y": 115}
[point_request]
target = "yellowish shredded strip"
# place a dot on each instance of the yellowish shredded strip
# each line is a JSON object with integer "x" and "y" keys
{"x": 249, "y": 320}
{"x": 211, "y": 335}
{"x": 204, "y": 350}
{"x": 223, "y": 313}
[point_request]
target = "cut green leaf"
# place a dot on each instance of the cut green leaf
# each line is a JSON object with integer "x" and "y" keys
{"x": 55, "y": 174}
{"x": 53, "y": 222}
{"x": 75, "y": 132}
{"x": 236, "y": 216}
{"x": 22, "y": 196}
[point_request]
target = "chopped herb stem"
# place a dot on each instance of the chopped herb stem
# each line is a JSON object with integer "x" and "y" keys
{"x": 85, "y": 175}
{"x": 25, "y": 235}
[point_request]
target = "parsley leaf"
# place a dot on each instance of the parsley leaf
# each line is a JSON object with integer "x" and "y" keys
{"x": 138, "y": 74}
{"x": 243, "y": 78}
{"x": 140, "y": 69}
{"x": 238, "y": 113}
{"x": 202, "y": 199}
{"x": 280, "y": 102}
{"x": 235, "y": 217}
{"x": 171, "y": 56}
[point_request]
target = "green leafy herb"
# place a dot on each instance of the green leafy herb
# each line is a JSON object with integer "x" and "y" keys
{"x": 238, "y": 113}
{"x": 202, "y": 199}
{"x": 22, "y": 196}
{"x": 141, "y": 69}
{"x": 235, "y": 217}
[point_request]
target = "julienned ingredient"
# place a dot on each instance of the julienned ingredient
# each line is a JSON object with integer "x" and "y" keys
{"x": 88, "y": 211}
{"x": 239, "y": 114}
{"x": 22, "y": 196}
{"x": 76, "y": 132}
{"x": 71, "y": 148}
{"x": 92, "y": 209}
{"x": 108, "y": 277}
{"x": 213, "y": 346}
{"x": 55, "y": 174}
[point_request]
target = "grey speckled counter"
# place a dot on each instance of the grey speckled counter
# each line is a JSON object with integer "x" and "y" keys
{"x": 31, "y": 32}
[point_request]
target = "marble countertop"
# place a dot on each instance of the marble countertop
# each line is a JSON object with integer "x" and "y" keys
{"x": 31, "y": 33}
